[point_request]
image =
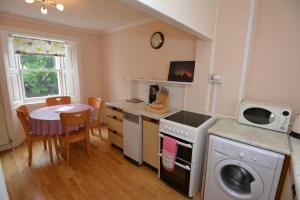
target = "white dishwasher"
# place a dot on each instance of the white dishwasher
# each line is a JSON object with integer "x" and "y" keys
{"x": 132, "y": 136}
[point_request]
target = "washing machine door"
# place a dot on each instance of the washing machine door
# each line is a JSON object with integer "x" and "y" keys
{"x": 239, "y": 180}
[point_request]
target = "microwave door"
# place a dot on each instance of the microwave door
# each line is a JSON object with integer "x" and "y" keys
{"x": 259, "y": 116}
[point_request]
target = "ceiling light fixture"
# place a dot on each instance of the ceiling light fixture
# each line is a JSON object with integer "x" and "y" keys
{"x": 44, "y": 3}
{"x": 29, "y": 1}
{"x": 44, "y": 10}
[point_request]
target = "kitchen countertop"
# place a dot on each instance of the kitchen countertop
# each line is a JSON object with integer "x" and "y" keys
{"x": 138, "y": 108}
{"x": 295, "y": 148}
{"x": 263, "y": 138}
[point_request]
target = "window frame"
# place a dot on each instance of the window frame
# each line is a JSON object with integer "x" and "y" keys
{"x": 70, "y": 76}
{"x": 58, "y": 69}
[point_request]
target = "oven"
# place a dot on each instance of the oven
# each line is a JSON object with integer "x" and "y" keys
{"x": 179, "y": 178}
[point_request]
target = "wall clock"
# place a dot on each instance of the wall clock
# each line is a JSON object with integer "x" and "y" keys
{"x": 157, "y": 40}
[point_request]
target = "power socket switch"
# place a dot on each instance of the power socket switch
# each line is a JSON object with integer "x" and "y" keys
{"x": 214, "y": 78}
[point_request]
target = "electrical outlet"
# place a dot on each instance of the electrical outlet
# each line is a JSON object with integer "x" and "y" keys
{"x": 214, "y": 78}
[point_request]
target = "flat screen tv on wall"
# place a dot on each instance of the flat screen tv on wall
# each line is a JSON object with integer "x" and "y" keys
{"x": 182, "y": 71}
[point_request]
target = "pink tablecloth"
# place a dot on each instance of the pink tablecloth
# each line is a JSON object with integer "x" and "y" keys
{"x": 46, "y": 121}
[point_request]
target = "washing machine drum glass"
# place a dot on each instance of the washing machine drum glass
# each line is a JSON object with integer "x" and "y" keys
{"x": 237, "y": 178}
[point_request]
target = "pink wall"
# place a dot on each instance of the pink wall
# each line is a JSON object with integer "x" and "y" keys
{"x": 89, "y": 46}
{"x": 229, "y": 50}
{"x": 274, "y": 73}
{"x": 128, "y": 53}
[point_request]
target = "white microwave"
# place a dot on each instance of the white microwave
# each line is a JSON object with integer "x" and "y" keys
{"x": 265, "y": 115}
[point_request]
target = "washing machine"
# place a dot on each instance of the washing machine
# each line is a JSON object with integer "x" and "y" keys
{"x": 237, "y": 171}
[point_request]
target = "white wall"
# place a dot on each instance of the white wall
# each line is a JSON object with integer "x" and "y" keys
{"x": 229, "y": 53}
{"x": 195, "y": 16}
{"x": 274, "y": 70}
{"x": 128, "y": 53}
{"x": 198, "y": 96}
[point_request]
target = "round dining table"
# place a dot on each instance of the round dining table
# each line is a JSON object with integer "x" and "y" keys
{"x": 46, "y": 120}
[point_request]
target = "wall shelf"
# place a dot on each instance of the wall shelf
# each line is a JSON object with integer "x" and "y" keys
{"x": 160, "y": 81}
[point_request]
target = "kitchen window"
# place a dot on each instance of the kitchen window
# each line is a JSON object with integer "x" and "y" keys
{"x": 39, "y": 68}
{"x": 40, "y": 75}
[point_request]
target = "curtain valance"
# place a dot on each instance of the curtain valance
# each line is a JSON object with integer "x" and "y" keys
{"x": 24, "y": 45}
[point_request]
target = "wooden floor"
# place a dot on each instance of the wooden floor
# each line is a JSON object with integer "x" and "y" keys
{"x": 106, "y": 175}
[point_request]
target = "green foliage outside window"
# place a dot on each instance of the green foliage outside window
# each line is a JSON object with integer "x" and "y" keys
{"x": 39, "y": 75}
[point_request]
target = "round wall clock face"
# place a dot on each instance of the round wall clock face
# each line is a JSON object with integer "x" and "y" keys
{"x": 157, "y": 40}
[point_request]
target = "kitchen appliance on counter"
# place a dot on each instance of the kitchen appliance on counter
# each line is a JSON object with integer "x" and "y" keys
{"x": 296, "y": 128}
{"x": 240, "y": 171}
{"x": 265, "y": 115}
{"x": 191, "y": 132}
{"x": 161, "y": 105}
{"x": 153, "y": 89}
{"x": 132, "y": 136}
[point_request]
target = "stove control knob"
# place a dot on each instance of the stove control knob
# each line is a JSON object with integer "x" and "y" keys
{"x": 177, "y": 131}
{"x": 186, "y": 133}
{"x": 165, "y": 127}
{"x": 169, "y": 128}
{"x": 181, "y": 132}
{"x": 254, "y": 159}
{"x": 242, "y": 155}
{"x": 173, "y": 129}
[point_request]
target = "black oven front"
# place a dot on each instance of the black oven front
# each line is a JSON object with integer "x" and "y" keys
{"x": 179, "y": 178}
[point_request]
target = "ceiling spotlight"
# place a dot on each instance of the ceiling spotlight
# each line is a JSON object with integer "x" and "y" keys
{"x": 60, "y": 7}
{"x": 29, "y": 1}
{"x": 44, "y": 10}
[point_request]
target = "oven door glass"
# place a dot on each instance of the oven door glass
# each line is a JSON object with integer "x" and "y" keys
{"x": 183, "y": 153}
{"x": 179, "y": 179}
{"x": 259, "y": 115}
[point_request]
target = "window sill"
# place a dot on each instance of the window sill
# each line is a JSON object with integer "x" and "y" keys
{"x": 34, "y": 102}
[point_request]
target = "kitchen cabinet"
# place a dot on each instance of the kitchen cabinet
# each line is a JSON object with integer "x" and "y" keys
{"x": 114, "y": 118}
{"x": 151, "y": 142}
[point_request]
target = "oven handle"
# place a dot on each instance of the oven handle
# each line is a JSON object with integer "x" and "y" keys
{"x": 186, "y": 167}
{"x": 179, "y": 143}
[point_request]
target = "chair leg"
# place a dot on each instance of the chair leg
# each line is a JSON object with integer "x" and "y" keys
{"x": 87, "y": 147}
{"x": 60, "y": 144}
{"x": 56, "y": 146}
{"x": 50, "y": 148}
{"x": 45, "y": 144}
{"x": 68, "y": 152}
{"x": 100, "y": 133}
{"x": 92, "y": 131}
{"x": 29, "y": 144}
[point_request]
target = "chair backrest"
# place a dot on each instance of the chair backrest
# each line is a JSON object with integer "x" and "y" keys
{"x": 75, "y": 118}
{"x": 96, "y": 103}
{"x": 52, "y": 101}
{"x": 22, "y": 113}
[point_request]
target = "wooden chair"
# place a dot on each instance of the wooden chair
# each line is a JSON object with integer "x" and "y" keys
{"x": 96, "y": 103}
{"x": 71, "y": 119}
{"x": 22, "y": 113}
{"x": 52, "y": 101}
